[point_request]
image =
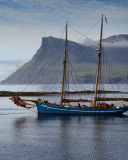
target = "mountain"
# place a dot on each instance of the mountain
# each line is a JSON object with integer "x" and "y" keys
{"x": 117, "y": 38}
{"x": 47, "y": 61}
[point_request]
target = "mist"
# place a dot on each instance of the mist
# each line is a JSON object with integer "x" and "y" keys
{"x": 8, "y": 67}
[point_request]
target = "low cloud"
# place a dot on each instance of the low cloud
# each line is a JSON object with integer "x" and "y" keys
{"x": 8, "y": 67}
{"x": 116, "y": 44}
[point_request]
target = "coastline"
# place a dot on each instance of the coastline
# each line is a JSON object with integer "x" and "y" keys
{"x": 9, "y": 93}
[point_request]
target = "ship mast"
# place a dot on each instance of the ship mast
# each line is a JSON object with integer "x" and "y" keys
{"x": 64, "y": 68}
{"x": 99, "y": 61}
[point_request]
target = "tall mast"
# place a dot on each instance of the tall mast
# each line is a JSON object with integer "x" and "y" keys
{"x": 64, "y": 67}
{"x": 99, "y": 61}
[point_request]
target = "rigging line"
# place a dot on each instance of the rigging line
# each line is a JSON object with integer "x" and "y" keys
{"x": 40, "y": 59}
{"x": 77, "y": 77}
{"x": 110, "y": 75}
{"x": 91, "y": 46}
{"x": 46, "y": 61}
{"x": 103, "y": 72}
{"x": 114, "y": 73}
{"x": 71, "y": 73}
{"x": 107, "y": 67}
{"x": 48, "y": 66}
{"x": 49, "y": 49}
{"x": 54, "y": 62}
{"x": 83, "y": 35}
{"x": 40, "y": 72}
{"x": 84, "y": 53}
{"x": 61, "y": 33}
{"x": 111, "y": 64}
{"x": 75, "y": 83}
{"x": 54, "y": 73}
{"x": 57, "y": 69}
{"x": 84, "y": 47}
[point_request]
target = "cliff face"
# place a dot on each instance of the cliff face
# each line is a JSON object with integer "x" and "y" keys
{"x": 48, "y": 61}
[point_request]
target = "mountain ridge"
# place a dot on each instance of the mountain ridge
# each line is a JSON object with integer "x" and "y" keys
{"x": 116, "y": 38}
{"x": 82, "y": 54}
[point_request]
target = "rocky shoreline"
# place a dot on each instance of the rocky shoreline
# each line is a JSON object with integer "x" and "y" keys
{"x": 9, "y": 93}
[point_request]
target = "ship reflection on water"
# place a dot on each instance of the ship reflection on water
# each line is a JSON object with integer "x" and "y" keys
{"x": 72, "y": 137}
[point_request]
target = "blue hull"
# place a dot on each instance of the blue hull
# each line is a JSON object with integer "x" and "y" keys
{"x": 44, "y": 108}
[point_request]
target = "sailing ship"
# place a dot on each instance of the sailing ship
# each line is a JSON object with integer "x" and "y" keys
{"x": 99, "y": 107}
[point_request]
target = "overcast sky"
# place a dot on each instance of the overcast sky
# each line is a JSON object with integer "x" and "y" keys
{"x": 23, "y": 23}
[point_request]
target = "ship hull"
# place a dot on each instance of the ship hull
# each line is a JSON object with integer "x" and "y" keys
{"x": 44, "y": 108}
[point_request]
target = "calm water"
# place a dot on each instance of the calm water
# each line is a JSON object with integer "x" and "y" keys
{"x": 26, "y": 136}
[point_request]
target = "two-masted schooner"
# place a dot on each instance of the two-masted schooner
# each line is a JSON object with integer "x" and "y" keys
{"x": 99, "y": 107}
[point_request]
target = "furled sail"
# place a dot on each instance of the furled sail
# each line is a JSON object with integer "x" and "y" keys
{"x": 111, "y": 99}
{"x": 76, "y": 100}
{"x": 19, "y": 102}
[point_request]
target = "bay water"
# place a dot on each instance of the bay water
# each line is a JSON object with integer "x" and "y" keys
{"x": 25, "y": 135}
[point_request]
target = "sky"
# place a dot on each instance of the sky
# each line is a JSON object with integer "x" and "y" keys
{"x": 23, "y": 23}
